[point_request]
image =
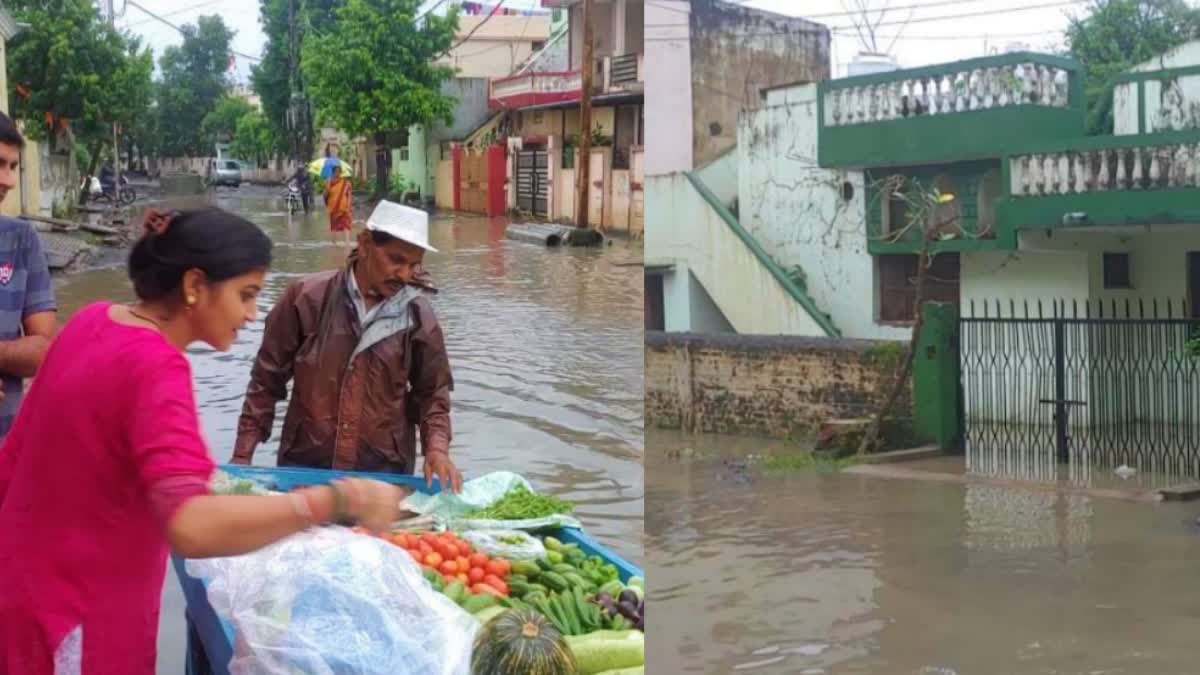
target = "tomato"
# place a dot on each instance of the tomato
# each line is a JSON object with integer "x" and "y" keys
{"x": 494, "y": 567}
{"x": 478, "y": 559}
{"x": 399, "y": 540}
{"x": 450, "y": 578}
{"x": 433, "y": 559}
{"x": 430, "y": 538}
{"x": 448, "y": 567}
{"x": 485, "y": 588}
{"x": 495, "y": 582}
{"x": 476, "y": 575}
{"x": 463, "y": 563}
{"x": 424, "y": 548}
{"x": 461, "y": 576}
{"x": 416, "y": 555}
{"x": 507, "y": 568}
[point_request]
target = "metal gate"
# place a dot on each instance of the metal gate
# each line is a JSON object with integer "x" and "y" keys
{"x": 533, "y": 177}
{"x": 1095, "y": 384}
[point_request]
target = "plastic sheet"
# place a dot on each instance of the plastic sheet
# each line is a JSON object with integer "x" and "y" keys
{"x": 449, "y": 509}
{"x": 507, "y": 544}
{"x": 331, "y": 602}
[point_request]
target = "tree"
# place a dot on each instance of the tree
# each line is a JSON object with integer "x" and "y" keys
{"x": 220, "y": 124}
{"x": 374, "y": 71}
{"x": 193, "y": 82}
{"x": 69, "y": 66}
{"x": 1117, "y": 35}
{"x": 255, "y": 138}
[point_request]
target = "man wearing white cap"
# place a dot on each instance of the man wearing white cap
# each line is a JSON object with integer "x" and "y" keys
{"x": 364, "y": 350}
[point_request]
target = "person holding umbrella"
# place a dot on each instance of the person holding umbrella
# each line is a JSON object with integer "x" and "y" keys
{"x": 338, "y": 204}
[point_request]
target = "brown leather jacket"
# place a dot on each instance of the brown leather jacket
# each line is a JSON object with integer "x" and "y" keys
{"x": 345, "y": 414}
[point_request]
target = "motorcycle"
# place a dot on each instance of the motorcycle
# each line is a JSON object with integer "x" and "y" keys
{"x": 98, "y": 190}
{"x": 295, "y": 200}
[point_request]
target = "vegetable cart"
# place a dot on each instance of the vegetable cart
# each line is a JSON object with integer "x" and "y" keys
{"x": 211, "y": 638}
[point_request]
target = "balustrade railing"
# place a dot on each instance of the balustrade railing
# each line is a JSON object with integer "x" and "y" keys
{"x": 1148, "y": 167}
{"x": 976, "y": 84}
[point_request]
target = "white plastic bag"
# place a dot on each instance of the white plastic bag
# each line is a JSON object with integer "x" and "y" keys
{"x": 448, "y": 509}
{"x": 331, "y": 602}
{"x": 507, "y": 544}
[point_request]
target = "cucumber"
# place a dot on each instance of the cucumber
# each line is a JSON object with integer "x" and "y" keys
{"x": 545, "y": 565}
{"x": 575, "y": 556}
{"x": 594, "y": 655}
{"x": 487, "y": 614}
{"x": 539, "y": 588}
{"x": 564, "y": 568}
{"x": 553, "y": 544}
{"x": 613, "y": 588}
{"x": 519, "y": 588}
{"x": 554, "y": 557}
{"x": 526, "y": 568}
{"x": 479, "y": 602}
{"x": 577, "y": 581}
{"x": 555, "y": 582}
{"x": 457, "y": 592}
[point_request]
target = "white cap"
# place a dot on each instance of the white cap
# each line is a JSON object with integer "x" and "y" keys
{"x": 402, "y": 222}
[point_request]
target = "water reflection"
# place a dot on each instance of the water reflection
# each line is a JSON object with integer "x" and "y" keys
{"x": 843, "y": 573}
{"x": 545, "y": 347}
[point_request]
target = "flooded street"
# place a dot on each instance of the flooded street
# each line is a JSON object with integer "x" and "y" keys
{"x": 809, "y": 572}
{"x": 545, "y": 347}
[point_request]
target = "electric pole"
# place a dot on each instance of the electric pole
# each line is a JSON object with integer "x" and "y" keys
{"x": 583, "y": 161}
{"x": 112, "y": 22}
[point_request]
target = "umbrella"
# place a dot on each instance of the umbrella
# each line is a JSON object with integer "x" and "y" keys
{"x": 324, "y": 167}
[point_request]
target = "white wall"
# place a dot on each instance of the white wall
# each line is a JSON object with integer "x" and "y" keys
{"x": 1125, "y": 100}
{"x": 686, "y": 232}
{"x": 669, "y": 77}
{"x": 795, "y": 210}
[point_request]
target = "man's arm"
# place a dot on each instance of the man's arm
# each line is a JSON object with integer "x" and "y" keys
{"x": 22, "y": 357}
{"x": 269, "y": 376}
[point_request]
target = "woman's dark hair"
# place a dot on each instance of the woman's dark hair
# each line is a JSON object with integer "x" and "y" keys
{"x": 211, "y": 240}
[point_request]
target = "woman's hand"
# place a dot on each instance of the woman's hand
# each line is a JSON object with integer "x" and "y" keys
{"x": 374, "y": 504}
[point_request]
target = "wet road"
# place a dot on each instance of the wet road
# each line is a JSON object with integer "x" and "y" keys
{"x": 835, "y": 573}
{"x": 546, "y": 351}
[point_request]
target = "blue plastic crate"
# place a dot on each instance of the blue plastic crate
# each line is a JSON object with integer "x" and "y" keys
{"x": 211, "y": 638}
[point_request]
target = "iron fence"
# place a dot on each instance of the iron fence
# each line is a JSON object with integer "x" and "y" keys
{"x": 1083, "y": 382}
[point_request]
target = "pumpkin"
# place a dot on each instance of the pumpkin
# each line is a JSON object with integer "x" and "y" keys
{"x": 521, "y": 642}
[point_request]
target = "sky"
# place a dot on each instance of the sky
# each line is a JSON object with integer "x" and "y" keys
{"x": 928, "y": 38}
{"x": 240, "y": 15}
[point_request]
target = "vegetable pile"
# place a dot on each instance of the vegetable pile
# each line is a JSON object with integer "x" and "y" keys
{"x": 520, "y": 503}
{"x": 448, "y": 560}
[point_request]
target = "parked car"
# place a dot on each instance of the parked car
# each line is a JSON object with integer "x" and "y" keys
{"x": 228, "y": 172}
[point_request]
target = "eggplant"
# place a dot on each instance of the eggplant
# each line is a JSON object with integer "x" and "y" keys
{"x": 628, "y": 610}
{"x": 630, "y": 596}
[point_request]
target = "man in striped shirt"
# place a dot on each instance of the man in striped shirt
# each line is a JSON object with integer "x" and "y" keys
{"x": 27, "y": 306}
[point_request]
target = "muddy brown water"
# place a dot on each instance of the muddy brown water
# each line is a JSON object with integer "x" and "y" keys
{"x": 545, "y": 346}
{"x": 817, "y": 573}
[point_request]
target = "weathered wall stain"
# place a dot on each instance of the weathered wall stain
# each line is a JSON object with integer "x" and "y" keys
{"x": 736, "y": 53}
{"x": 777, "y": 386}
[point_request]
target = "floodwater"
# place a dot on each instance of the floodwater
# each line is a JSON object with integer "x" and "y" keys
{"x": 545, "y": 346}
{"x": 814, "y": 573}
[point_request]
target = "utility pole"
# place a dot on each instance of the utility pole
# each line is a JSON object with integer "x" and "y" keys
{"x": 583, "y": 161}
{"x": 112, "y": 21}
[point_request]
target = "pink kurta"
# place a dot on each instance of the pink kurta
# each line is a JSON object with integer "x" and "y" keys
{"x": 105, "y": 447}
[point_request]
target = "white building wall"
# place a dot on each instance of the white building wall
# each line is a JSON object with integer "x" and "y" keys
{"x": 1125, "y": 100}
{"x": 796, "y": 210}
{"x": 669, "y": 77}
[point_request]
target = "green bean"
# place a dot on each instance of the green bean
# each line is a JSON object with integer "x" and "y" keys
{"x": 520, "y": 503}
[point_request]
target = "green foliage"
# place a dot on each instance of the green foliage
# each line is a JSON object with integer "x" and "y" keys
{"x": 221, "y": 123}
{"x": 399, "y": 184}
{"x": 254, "y": 138}
{"x": 1192, "y": 346}
{"x": 193, "y": 82}
{"x": 74, "y": 66}
{"x": 1117, "y": 35}
{"x": 374, "y": 70}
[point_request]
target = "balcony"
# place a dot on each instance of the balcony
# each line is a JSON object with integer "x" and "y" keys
{"x": 958, "y": 111}
{"x": 1147, "y": 179}
{"x": 529, "y": 89}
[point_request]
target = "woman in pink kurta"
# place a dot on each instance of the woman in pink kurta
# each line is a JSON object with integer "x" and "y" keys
{"x": 105, "y": 467}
